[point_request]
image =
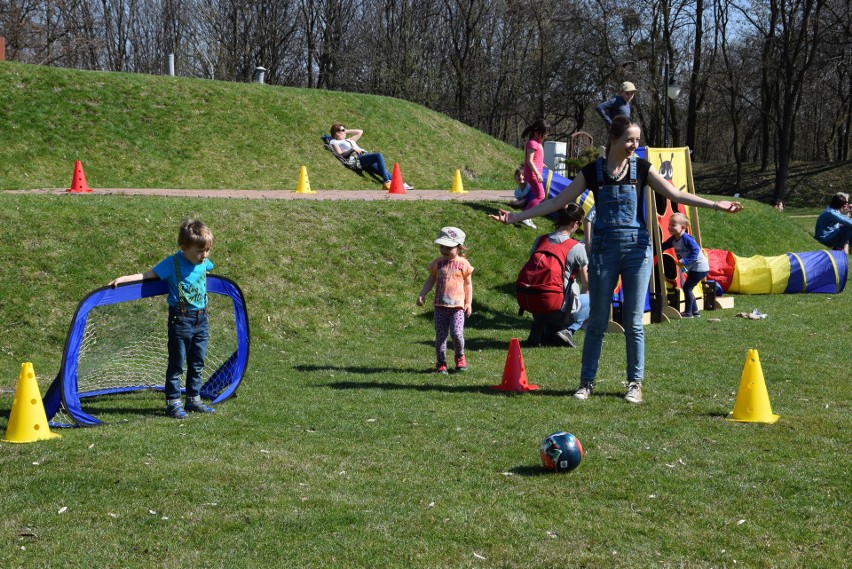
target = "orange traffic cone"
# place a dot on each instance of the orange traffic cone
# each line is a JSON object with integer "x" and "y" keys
{"x": 78, "y": 181}
{"x": 396, "y": 186}
{"x": 514, "y": 372}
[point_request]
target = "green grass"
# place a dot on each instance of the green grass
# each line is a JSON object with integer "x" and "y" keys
{"x": 341, "y": 450}
{"x": 132, "y": 130}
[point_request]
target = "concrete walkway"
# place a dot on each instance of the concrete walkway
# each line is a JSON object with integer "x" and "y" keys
{"x": 331, "y": 195}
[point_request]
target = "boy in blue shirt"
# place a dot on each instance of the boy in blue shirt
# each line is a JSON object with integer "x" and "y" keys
{"x": 834, "y": 226}
{"x": 186, "y": 275}
{"x": 690, "y": 257}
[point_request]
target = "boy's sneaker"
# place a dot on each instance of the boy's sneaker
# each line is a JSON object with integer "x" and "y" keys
{"x": 461, "y": 363}
{"x": 634, "y": 392}
{"x": 407, "y": 187}
{"x": 696, "y": 315}
{"x": 198, "y": 406}
{"x": 529, "y": 223}
{"x": 386, "y": 186}
{"x": 176, "y": 411}
{"x": 583, "y": 391}
{"x": 686, "y": 314}
{"x": 441, "y": 368}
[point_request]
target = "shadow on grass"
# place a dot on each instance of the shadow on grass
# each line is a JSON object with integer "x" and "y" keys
{"x": 488, "y": 208}
{"x": 527, "y": 470}
{"x": 717, "y": 415}
{"x": 114, "y": 414}
{"x": 448, "y": 388}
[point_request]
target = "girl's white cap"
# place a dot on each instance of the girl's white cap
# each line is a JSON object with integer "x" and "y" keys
{"x": 450, "y": 237}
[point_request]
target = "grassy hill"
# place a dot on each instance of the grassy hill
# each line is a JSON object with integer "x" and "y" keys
{"x": 810, "y": 185}
{"x": 133, "y": 130}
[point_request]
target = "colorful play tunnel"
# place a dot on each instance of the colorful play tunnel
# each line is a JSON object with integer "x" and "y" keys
{"x": 815, "y": 271}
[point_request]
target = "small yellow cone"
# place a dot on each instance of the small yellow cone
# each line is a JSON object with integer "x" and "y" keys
{"x": 27, "y": 421}
{"x": 304, "y": 185}
{"x": 752, "y": 404}
{"x": 458, "y": 188}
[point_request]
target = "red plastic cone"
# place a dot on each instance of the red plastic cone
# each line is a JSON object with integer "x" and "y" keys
{"x": 396, "y": 186}
{"x": 78, "y": 181}
{"x": 514, "y": 372}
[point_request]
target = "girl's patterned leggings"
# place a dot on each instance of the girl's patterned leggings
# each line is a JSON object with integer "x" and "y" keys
{"x": 448, "y": 321}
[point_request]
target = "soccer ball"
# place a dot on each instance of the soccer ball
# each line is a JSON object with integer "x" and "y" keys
{"x": 561, "y": 452}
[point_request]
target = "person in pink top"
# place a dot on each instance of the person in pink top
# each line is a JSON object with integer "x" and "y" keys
{"x": 450, "y": 275}
{"x": 534, "y": 160}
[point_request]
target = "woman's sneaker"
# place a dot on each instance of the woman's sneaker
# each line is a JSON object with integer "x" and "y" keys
{"x": 634, "y": 392}
{"x": 198, "y": 406}
{"x": 176, "y": 411}
{"x": 583, "y": 391}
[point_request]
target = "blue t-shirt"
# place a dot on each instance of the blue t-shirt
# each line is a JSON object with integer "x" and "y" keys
{"x": 193, "y": 280}
{"x": 687, "y": 250}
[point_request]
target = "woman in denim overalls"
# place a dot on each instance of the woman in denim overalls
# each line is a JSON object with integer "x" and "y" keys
{"x": 621, "y": 246}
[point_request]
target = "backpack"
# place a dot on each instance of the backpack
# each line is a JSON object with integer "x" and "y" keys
{"x": 539, "y": 288}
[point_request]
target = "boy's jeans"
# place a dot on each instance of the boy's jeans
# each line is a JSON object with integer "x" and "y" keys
{"x": 625, "y": 253}
{"x": 188, "y": 335}
{"x": 692, "y": 279}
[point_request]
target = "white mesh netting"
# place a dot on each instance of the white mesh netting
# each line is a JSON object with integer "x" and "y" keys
{"x": 125, "y": 349}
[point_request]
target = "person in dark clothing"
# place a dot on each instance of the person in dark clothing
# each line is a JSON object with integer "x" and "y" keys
{"x": 618, "y": 105}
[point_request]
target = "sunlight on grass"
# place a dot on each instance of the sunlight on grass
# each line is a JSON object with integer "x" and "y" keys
{"x": 342, "y": 450}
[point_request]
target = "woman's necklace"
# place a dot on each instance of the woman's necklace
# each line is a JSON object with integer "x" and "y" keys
{"x": 619, "y": 173}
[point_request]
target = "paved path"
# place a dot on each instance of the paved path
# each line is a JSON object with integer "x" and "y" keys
{"x": 331, "y": 195}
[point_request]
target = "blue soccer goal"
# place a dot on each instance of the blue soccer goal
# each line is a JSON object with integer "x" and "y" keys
{"x": 117, "y": 343}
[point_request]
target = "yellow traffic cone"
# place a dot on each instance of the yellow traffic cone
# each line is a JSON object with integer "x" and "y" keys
{"x": 752, "y": 404}
{"x": 458, "y": 188}
{"x": 28, "y": 421}
{"x": 304, "y": 185}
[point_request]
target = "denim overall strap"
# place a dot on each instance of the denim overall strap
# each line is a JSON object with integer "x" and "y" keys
{"x": 640, "y": 212}
{"x": 633, "y": 178}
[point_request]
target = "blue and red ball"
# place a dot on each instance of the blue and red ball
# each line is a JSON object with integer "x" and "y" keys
{"x": 561, "y": 452}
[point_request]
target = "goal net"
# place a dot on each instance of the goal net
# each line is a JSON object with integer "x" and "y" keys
{"x": 117, "y": 344}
